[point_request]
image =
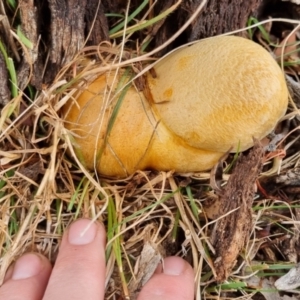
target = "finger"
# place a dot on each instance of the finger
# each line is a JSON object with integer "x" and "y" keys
{"x": 27, "y": 279}
{"x": 176, "y": 282}
{"x": 79, "y": 271}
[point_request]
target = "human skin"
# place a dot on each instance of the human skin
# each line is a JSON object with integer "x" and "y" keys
{"x": 79, "y": 272}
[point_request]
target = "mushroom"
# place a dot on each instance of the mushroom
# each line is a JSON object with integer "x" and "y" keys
{"x": 205, "y": 99}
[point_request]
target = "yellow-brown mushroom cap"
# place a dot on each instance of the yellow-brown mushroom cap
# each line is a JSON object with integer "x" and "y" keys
{"x": 219, "y": 93}
{"x": 206, "y": 99}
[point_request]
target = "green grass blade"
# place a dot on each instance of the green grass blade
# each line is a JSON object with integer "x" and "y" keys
{"x": 130, "y": 17}
{"x": 261, "y": 28}
{"x": 11, "y": 70}
{"x": 24, "y": 39}
{"x": 143, "y": 25}
{"x": 193, "y": 205}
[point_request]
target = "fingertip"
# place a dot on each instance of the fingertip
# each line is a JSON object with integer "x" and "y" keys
{"x": 84, "y": 231}
{"x": 27, "y": 278}
{"x": 30, "y": 265}
{"x": 79, "y": 270}
{"x": 176, "y": 282}
{"x": 175, "y": 266}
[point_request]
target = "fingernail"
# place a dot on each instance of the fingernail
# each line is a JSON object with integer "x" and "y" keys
{"x": 174, "y": 266}
{"x": 82, "y": 232}
{"x": 27, "y": 266}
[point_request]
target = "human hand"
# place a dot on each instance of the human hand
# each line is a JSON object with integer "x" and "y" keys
{"x": 79, "y": 272}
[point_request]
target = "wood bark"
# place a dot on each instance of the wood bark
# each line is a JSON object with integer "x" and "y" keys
{"x": 57, "y": 29}
{"x": 30, "y": 28}
{"x": 233, "y": 229}
{"x": 4, "y": 90}
{"x": 220, "y": 16}
{"x": 217, "y": 17}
